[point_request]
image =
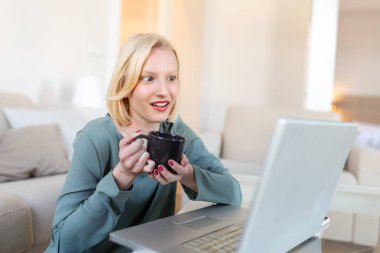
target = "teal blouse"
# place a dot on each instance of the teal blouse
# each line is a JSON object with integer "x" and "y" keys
{"x": 91, "y": 205}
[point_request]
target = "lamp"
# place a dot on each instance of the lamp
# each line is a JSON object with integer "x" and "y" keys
{"x": 87, "y": 93}
{"x": 88, "y": 97}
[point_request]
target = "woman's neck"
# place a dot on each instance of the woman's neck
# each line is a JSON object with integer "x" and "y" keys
{"x": 133, "y": 128}
{"x": 145, "y": 128}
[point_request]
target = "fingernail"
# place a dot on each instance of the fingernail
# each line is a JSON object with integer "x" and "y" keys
{"x": 155, "y": 172}
{"x": 149, "y": 173}
{"x": 170, "y": 162}
{"x": 138, "y": 131}
{"x": 160, "y": 167}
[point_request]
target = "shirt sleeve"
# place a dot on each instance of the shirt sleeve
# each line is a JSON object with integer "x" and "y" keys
{"x": 214, "y": 182}
{"x": 90, "y": 204}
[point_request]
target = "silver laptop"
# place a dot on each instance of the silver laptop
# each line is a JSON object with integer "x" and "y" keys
{"x": 302, "y": 167}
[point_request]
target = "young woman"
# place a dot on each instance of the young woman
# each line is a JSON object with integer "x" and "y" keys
{"x": 112, "y": 183}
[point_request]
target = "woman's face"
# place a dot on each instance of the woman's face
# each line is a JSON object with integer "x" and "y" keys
{"x": 154, "y": 96}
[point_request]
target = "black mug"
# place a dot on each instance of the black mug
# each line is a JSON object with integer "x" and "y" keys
{"x": 163, "y": 147}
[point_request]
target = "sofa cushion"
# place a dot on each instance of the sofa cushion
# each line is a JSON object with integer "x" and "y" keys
{"x": 8, "y": 99}
{"x": 248, "y": 130}
{"x": 31, "y": 152}
{"x": 15, "y": 225}
{"x": 69, "y": 122}
{"x": 4, "y": 125}
{"x": 369, "y": 135}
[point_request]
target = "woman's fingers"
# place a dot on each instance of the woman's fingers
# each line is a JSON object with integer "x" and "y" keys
{"x": 131, "y": 149}
{"x": 129, "y": 162}
{"x": 185, "y": 161}
{"x": 142, "y": 160}
{"x": 180, "y": 169}
{"x": 164, "y": 176}
{"x": 132, "y": 154}
{"x": 128, "y": 139}
{"x": 149, "y": 167}
{"x": 159, "y": 177}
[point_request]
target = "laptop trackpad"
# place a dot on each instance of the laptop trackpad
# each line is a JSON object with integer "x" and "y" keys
{"x": 197, "y": 223}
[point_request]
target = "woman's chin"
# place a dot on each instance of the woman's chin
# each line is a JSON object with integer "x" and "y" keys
{"x": 159, "y": 119}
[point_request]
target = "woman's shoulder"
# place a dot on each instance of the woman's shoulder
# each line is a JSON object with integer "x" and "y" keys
{"x": 100, "y": 130}
{"x": 96, "y": 124}
{"x": 181, "y": 128}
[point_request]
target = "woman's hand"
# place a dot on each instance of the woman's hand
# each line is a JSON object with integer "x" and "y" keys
{"x": 185, "y": 172}
{"x": 133, "y": 157}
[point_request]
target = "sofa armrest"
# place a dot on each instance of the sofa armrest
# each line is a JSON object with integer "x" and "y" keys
{"x": 356, "y": 199}
{"x": 15, "y": 224}
{"x": 247, "y": 185}
{"x": 364, "y": 163}
{"x": 243, "y": 168}
{"x": 212, "y": 141}
{"x": 40, "y": 195}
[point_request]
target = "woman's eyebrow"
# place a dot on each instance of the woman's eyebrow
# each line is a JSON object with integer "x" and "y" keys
{"x": 174, "y": 71}
{"x": 147, "y": 72}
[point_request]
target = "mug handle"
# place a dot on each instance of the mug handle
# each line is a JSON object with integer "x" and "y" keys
{"x": 141, "y": 136}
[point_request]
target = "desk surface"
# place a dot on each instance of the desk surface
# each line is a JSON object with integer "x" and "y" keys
{"x": 347, "y": 199}
{"x": 317, "y": 244}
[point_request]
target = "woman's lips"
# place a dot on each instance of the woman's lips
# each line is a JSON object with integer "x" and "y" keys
{"x": 160, "y": 106}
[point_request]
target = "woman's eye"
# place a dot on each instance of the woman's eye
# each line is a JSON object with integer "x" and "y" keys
{"x": 172, "y": 78}
{"x": 147, "y": 78}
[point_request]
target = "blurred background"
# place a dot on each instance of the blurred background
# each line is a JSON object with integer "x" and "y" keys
{"x": 283, "y": 53}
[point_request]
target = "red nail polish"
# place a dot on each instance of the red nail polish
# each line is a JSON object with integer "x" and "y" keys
{"x": 149, "y": 173}
{"x": 170, "y": 162}
{"x": 160, "y": 167}
{"x": 155, "y": 172}
{"x": 138, "y": 131}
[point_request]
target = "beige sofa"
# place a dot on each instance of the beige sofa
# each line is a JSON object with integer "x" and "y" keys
{"x": 26, "y": 205}
{"x": 242, "y": 145}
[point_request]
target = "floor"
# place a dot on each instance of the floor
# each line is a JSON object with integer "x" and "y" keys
{"x": 330, "y": 246}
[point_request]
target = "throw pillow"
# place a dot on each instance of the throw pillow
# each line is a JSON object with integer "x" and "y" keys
{"x": 69, "y": 122}
{"x": 369, "y": 135}
{"x": 31, "y": 152}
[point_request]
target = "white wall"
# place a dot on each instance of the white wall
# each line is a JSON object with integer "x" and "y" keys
{"x": 46, "y": 45}
{"x": 182, "y": 23}
{"x": 358, "y": 52}
{"x": 246, "y": 52}
{"x": 255, "y": 53}
{"x": 186, "y": 29}
{"x": 138, "y": 17}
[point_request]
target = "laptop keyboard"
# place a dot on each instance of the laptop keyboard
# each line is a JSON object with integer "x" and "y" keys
{"x": 221, "y": 241}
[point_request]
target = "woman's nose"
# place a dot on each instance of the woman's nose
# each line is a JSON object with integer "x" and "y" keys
{"x": 162, "y": 88}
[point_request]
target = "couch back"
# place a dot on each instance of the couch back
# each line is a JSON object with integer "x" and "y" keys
{"x": 247, "y": 130}
{"x": 12, "y": 100}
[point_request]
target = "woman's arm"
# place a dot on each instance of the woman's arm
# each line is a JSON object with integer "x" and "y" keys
{"x": 214, "y": 182}
{"x": 207, "y": 179}
{"x": 90, "y": 204}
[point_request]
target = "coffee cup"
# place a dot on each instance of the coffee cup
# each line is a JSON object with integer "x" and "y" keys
{"x": 163, "y": 147}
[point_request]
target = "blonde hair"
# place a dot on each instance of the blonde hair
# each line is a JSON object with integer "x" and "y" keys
{"x": 127, "y": 73}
